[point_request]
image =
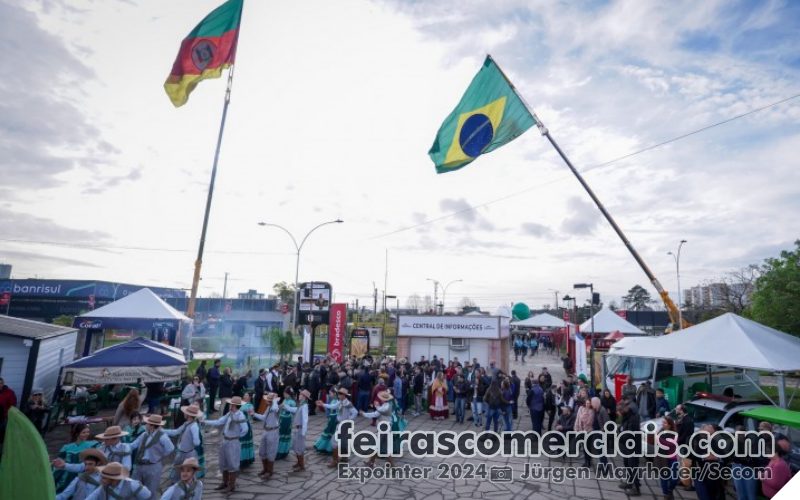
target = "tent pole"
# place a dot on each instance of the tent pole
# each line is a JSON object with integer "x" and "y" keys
{"x": 796, "y": 385}
{"x": 758, "y": 387}
{"x": 781, "y": 389}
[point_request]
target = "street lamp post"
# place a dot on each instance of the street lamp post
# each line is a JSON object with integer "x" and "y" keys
{"x": 297, "y": 260}
{"x": 677, "y": 257}
{"x": 590, "y": 286}
{"x": 567, "y": 299}
{"x": 444, "y": 293}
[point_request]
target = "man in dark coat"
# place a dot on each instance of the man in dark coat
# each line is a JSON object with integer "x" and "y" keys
{"x": 515, "y": 390}
{"x": 260, "y": 385}
{"x": 213, "y": 377}
{"x": 535, "y": 402}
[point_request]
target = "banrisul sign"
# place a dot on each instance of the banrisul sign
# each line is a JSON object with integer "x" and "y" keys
{"x": 79, "y": 289}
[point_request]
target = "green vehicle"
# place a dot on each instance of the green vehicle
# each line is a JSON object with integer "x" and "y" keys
{"x": 784, "y": 421}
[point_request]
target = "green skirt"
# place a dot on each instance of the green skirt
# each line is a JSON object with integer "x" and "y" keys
{"x": 201, "y": 459}
{"x": 285, "y": 435}
{"x": 248, "y": 454}
{"x": 324, "y": 443}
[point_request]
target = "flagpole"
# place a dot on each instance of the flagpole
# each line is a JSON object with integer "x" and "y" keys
{"x": 198, "y": 263}
{"x": 672, "y": 309}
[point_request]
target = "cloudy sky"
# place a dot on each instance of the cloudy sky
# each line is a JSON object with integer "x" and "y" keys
{"x": 335, "y": 105}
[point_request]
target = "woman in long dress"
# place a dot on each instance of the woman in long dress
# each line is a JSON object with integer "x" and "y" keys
{"x": 285, "y": 424}
{"x": 439, "y": 409}
{"x": 324, "y": 443}
{"x": 248, "y": 454}
{"x": 70, "y": 453}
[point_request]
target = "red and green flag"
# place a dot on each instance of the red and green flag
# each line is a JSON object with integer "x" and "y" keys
{"x": 205, "y": 52}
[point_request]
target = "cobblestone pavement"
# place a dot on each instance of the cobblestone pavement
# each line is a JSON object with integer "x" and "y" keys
{"x": 319, "y": 481}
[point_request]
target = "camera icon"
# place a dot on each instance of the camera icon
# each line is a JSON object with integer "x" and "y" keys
{"x": 501, "y": 474}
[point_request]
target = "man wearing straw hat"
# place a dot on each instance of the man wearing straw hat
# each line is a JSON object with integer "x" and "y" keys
{"x": 112, "y": 448}
{"x": 300, "y": 428}
{"x": 116, "y": 485}
{"x": 346, "y": 411}
{"x": 151, "y": 447}
{"x": 188, "y": 487}
{"x": 268, "y": 449}
{"x": 189, "y": 438}
{"x": 234, "y": 426}
{"x": 384, "y": 414}
{"x": 85, "y": 484}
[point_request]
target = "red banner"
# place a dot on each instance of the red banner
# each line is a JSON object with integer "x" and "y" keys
{"x": 336, "y": 331}
{"x": 5, "y": 298}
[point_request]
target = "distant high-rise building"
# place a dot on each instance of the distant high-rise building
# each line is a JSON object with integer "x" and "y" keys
{"x": 252, "y": 295}
{"x": 5, "y": 271}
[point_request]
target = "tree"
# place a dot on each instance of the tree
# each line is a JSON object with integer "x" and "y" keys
{"x": 613, "y": 305}
{"x": 776, "y": 298}
{"x": 427, "y": 305}
{"x": 64, "y": 320}
{"x": 282, "y": 342}
{"x": 737, "y": 287}
{"x": 414, "y": 302}
{"x": 638, "y": 299}
{"x": 286, "y": 292}
{"x": 466, "y": 302}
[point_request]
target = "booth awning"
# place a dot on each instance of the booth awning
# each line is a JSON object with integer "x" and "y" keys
{"x": 542, "y": 320}
{"x": 607, "y": 321}
{"x": 142, "y": 310}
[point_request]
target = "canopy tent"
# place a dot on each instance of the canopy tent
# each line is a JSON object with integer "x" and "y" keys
{"x": 542, "y": 320}
{"x": 475, "y": 313}
{"x": 607, "y": 321}
{"x": 727, "y": 340}
{"x": 141, "y": 310}
{"x": 127, "y": 363}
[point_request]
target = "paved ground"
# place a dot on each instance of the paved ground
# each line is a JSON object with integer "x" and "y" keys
{"x": 321, "y": 482}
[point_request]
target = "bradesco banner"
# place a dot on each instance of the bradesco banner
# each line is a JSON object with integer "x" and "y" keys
{"x": 336, "y": 331}
{"x": 468, "y": 327}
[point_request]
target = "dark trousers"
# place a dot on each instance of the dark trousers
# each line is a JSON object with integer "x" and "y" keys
{"x": 537, "y": 418}
{"x": 631, "y": 464}
{"x": 551, "y": 416}
{"x": 212, "y": 395}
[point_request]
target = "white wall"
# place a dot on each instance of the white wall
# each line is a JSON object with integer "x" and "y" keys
{"x": 430, "y": 346}
{"x": 54, "y": 353}
{"x": 15, "y": 362}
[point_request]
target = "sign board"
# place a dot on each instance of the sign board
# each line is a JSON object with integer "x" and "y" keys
{"x": 80, "y": 289}
{"x": 336, "y": 331}
{"x": 314, "y": 302}
{"x": 467, "y": 327}
{"x": 375, "y": 337}
{"x": 359, "y": 342}
{"x": 5, "y": 298}
{"x": 581, "y": 365}
{"x": 123, "y": 375}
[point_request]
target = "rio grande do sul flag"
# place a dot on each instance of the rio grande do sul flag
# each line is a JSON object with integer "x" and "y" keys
{"x": 489, "y": 115}
{"x": 208, "y": 49}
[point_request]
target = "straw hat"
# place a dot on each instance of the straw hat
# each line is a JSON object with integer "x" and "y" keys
{"x": 191, "y": 411}
{"x": 235, "y": 401}
{"x": 112, "y": 432}
{"x": 114, "y": 470}
{"x": 189, "y": 462}
{"x": 385, "y": 396}
{"x": 94, "y": 453}
{"x": 344, "y": 391}
{"x": 269, "y": 396}
{"x": 305, "y": 393}
{"x": 154, "y": 420}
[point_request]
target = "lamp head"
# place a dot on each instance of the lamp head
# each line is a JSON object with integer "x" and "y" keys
{"x": 338, "y": 221}
{"x": 582, "y": 285}
{"x": 684, "y": 241}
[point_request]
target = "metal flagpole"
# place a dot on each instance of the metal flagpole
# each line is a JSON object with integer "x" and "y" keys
{"x": 199, "y": 262}
{"x": 670, "y": 305}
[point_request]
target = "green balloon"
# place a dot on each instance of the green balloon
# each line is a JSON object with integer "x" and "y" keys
{"x": 521, "y": 311}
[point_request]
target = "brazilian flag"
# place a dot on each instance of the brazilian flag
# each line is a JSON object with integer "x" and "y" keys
{"x": 489, "y": 115}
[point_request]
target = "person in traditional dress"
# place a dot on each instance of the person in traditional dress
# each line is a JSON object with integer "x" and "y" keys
{"x": 188, "y": 487}
{"x": 248, "y": 454}
{"x": 112, "y": 448}
{"x": 116, "y": 485}
{"x": 300, "y": 413}
{"x": 234, "y": 426}
{"x": 150, "y": 450}
{"x": 285, "y": 423}
{"x": 268, "y": 448}
{"x": 382, "y": 413}
{"x": 70, "y": 454}
{"x": 323, "y": 443}
{"x": 85, "y": 484}
{"x": 188, "y": 439}
{"x": 438, "y": 397}
{"x": 134, "y": 429}
{"x": 345, "y": 411}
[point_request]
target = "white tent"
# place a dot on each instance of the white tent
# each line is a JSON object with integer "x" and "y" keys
{"x": 542, "y": 320}
{"x": 727, "y": 340}
{"x": 607, "y": 321}
{"x": 143, "y": 304}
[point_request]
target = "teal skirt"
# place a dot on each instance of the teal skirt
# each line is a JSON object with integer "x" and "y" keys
{"x": 248, "y": 454}
{"x": 285, "y": 433}
{"x": 324, "y": 443}
{"x": 201, "y": 458}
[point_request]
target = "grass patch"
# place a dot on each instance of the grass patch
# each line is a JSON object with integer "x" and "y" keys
{"x": 772, "y": 392}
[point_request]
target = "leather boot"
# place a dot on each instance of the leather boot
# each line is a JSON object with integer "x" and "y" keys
{"x": 270, "y": 468}
{"x": 232, "y": 481}
{"x": 296, "y": 464}
{"x": 334, "y": 459}
{"x": 301, "y": 463}
{"x": 224, "y": 484}
{"x": 263, "y": 468}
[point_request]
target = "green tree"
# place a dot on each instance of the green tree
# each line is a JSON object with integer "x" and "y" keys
{"x": 282, "y": 342}
{"x": 776, "y": 299}
{"x": 286, "y": 292}
{"x": 638, "y": 299}
{"x": 63, "y": 320}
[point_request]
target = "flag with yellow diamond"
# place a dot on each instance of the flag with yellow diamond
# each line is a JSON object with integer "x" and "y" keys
{"x": 489, "y": 115}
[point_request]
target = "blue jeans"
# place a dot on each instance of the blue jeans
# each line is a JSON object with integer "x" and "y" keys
{"x": 450, "y": 392}
{"x": 492, "y": 414}
{"x": 363, "y": 400}
{"x": 667, "y": 485}
{"x": 460, "y": 409}
{"x": 746, "y": 489}
{"x": 477, "y": 411}
{"x": 507, "y": 417}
